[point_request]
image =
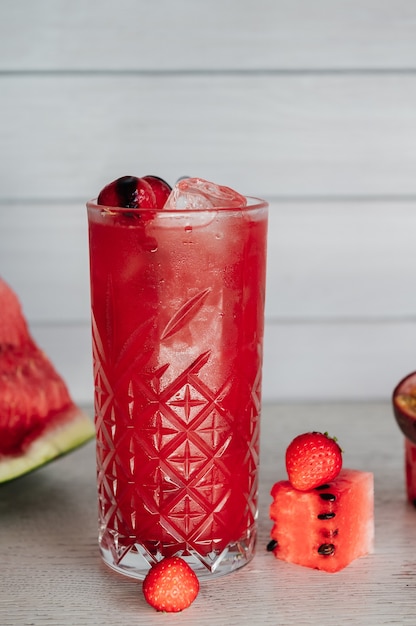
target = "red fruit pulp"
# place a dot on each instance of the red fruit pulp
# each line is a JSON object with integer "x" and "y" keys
{"x": 38, "y": 419}
{"x": 160, "y": 188}
{"x": 177, "y": 309}
{"x": 128, "y": 192}
{"x": 325, "y": 528}
{"x": 171, "y": 585}
{"x": 312, "y": 459}
{"x": 31, "y": 393}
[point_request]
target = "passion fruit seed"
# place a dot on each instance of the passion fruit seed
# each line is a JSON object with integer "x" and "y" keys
{"x": 407, "y": 401}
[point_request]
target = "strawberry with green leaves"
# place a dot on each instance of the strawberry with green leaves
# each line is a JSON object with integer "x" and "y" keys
{"x": 313, "y": 459}
{"x": 170, "y": 585}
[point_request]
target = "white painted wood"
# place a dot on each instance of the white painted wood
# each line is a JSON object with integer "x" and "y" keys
{"x": 54, "y": 575}
{"x": 330, "y": 361}
{"x": 44, "y": 257}
{"x": 65, "y": 137}
{"x": 303, "y": 362}
{"x": 340, "y": 311}
{"x": 70, "y": 350}
{"x": 311, "y": 105}
{"x": 327, "y": 261}
{"x": 189, "y": 35}
{"x": 341, "y": 261}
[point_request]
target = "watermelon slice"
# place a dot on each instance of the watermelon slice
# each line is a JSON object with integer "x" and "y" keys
{"x": 38, "y": 419}
{"x": 325, "y": 528}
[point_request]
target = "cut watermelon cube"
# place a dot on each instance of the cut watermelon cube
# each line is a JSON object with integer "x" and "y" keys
{"x": 325, "y": 528}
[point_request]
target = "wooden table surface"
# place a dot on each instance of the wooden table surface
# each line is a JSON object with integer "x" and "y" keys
{"x": 52, "y": 575}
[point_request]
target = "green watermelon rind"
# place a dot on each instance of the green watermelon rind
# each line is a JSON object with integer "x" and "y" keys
{"x": 73, "y": 429}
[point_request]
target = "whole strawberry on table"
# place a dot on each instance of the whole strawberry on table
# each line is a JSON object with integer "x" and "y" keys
{"x": 323, "y": 515}
{"x": 170, "y": 585}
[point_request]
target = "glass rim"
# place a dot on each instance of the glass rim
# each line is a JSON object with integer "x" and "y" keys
{"x": 253, "y": 203}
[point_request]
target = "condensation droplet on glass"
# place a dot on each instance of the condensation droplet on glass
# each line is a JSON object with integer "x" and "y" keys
{"x": 188, "y": 229}
{"x": 219, "y": 235}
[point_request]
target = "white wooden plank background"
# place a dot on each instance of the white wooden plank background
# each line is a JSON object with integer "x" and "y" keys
{"x": 279, "y": 135}
{"x": 204, "y": 36}
{"x": 310, "y": 105}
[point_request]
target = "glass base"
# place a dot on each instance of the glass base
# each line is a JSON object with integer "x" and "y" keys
{"x": 136, "y": 562}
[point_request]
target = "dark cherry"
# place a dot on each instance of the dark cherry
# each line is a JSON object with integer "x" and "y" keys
{"x": 161, "y": 189}
{"x": 129, "y": 192}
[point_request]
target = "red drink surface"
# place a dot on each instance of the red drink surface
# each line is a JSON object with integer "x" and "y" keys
{"x": 177, "y": 312}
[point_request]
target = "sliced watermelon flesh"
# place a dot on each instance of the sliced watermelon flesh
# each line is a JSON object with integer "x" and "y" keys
{"x": 70, "y": 429}
{"x": 38, "y": 419}
{"x": 325, "y": 528}
{"x": 13, "y": 326}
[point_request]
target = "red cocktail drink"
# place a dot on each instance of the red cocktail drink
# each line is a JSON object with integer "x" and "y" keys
{"x": 177, "y": 302}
